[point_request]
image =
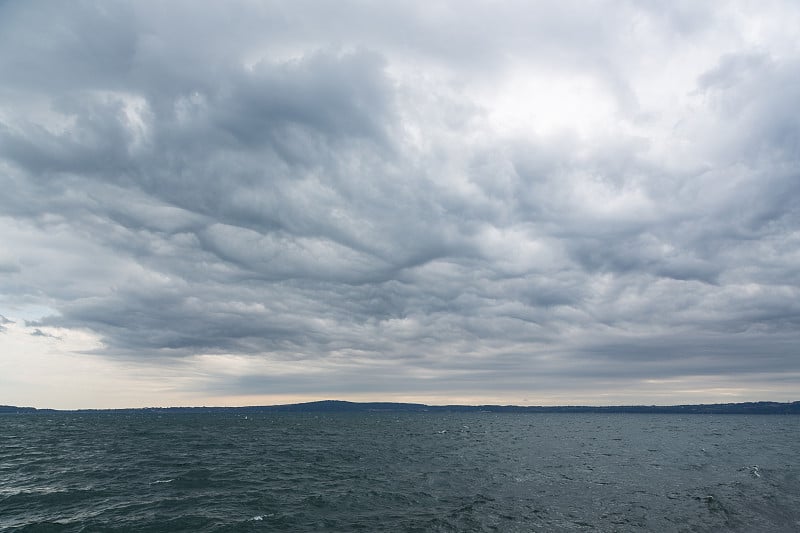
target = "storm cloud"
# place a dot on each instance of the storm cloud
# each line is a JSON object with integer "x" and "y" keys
{"x": 433, "y": 199}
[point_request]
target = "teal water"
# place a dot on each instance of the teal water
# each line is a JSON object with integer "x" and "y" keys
{"x": 140, "y": 471}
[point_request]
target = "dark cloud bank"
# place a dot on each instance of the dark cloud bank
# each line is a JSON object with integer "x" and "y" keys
{"x": 324, "y": 190}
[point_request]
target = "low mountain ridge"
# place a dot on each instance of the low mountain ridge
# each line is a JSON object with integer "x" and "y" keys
{"x": 340, "y": 406}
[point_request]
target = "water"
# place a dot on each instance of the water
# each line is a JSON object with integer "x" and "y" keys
{"x": 398, "y": 472}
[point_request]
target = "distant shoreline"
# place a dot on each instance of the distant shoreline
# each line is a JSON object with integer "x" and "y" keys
{"x": 338, "y": 406}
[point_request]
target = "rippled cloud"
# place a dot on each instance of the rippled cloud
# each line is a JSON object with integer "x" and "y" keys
{"x": 482, "y": 200}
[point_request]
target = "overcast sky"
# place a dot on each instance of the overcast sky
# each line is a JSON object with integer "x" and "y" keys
{"x": 232, "y": 203}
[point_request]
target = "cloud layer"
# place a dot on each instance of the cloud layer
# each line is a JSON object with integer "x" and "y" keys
{"x": 427, "y": 200}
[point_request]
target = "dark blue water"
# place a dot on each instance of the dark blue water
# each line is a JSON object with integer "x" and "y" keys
{"x": 398, "y": 472}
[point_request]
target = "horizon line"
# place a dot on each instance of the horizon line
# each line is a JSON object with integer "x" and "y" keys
{"x": 415, "y": 404}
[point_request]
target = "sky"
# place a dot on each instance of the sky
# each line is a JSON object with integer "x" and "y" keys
{"x": 534, "y": 203}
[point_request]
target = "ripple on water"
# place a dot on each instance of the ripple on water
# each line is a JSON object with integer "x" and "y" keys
{"x": 398, "y": 472}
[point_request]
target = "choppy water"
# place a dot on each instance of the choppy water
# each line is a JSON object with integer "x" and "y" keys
{"x": 398, "y": 472}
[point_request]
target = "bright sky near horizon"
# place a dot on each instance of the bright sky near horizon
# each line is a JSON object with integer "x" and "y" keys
{"x": 251, "y": 202}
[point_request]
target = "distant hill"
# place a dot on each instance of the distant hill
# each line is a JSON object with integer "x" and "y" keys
{"x": 726, "y": 408}
{"x": 338, "y": 406}
{"x": 14, "y": 409}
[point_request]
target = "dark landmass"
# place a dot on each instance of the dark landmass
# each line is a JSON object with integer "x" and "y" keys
{"x": 13, "y": 409}
{"x": 337, "y": 406}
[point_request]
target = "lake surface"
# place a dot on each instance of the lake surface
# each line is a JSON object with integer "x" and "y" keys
{"x": 398, "y": 472}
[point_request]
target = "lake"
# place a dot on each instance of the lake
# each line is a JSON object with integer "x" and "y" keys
{"x": 149, "y": 471}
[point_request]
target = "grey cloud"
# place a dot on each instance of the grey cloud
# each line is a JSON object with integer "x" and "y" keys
{"x": 340, "y": 97}
{"x": 701, "y": 354}
{"x": 644, "y": 253}
{"x": 9, "y": 268}
{"x": 270, "y": 184}
{"x": 755, "y": 91}
{"x": 39, "y": 333}
{"x": 65, "y": 47}
{"x": 731, "y": 70}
